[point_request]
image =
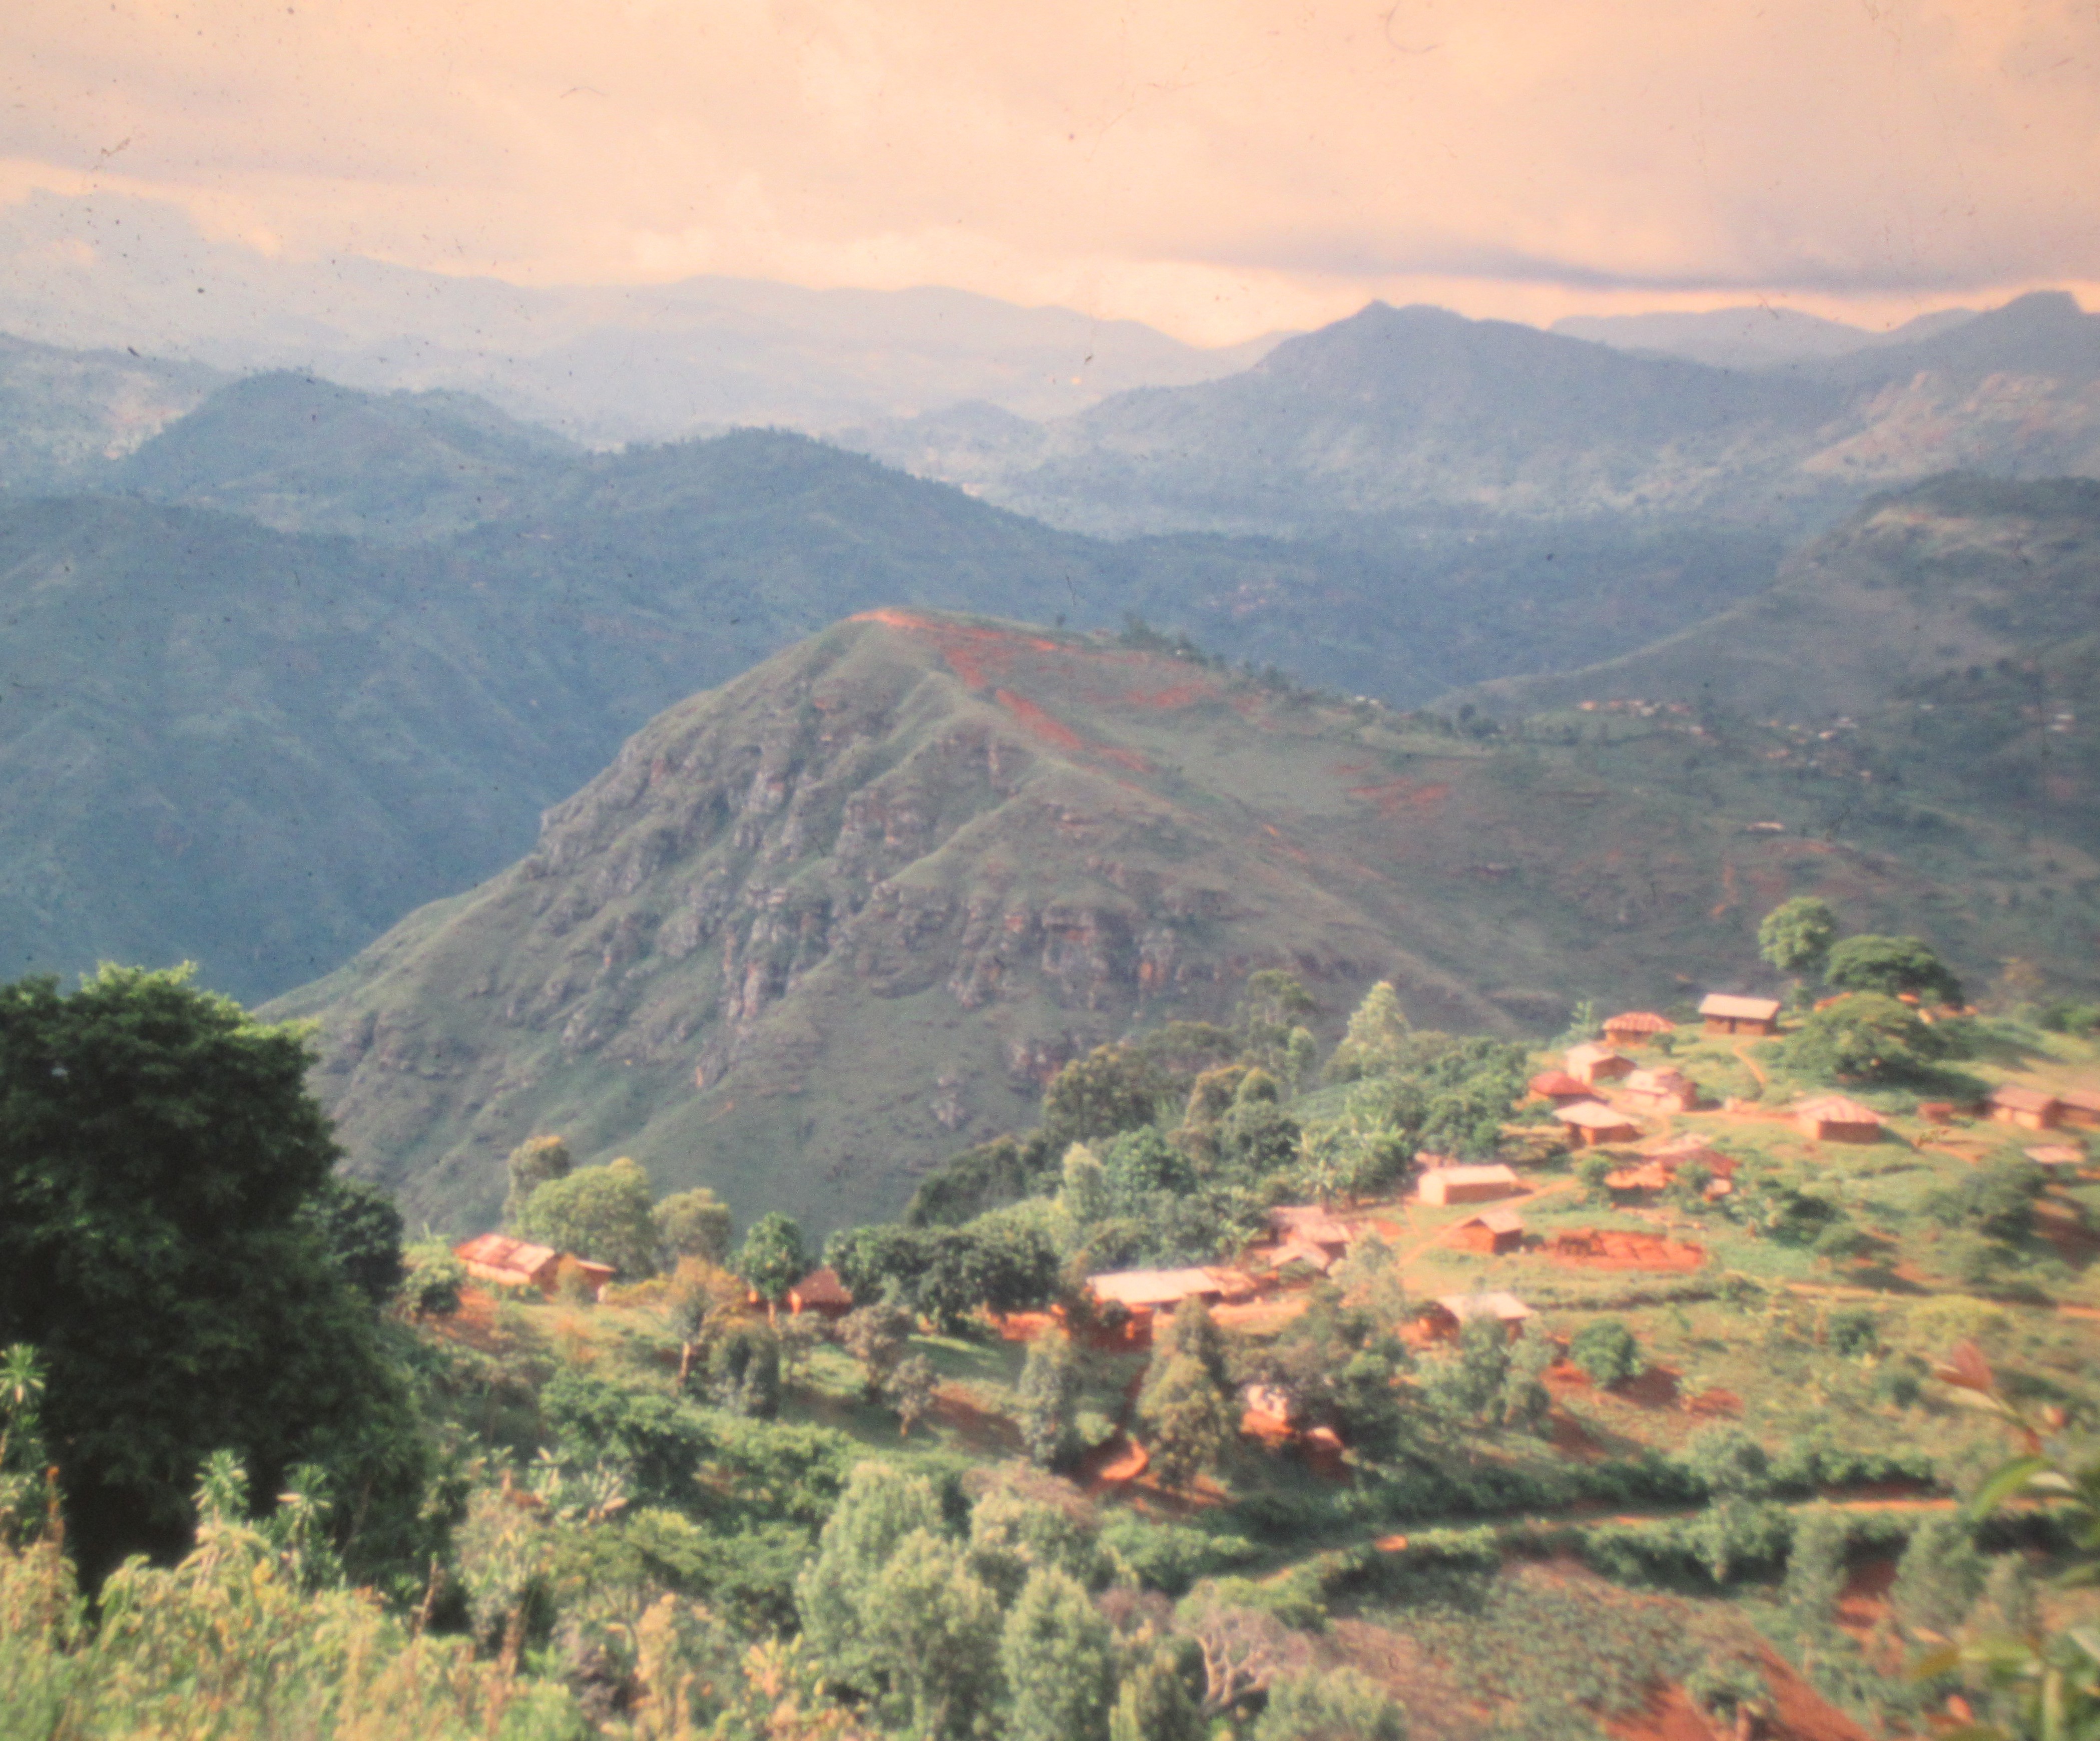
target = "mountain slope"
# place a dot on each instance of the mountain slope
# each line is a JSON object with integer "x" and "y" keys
{"x": 1409, "y": 411}
{"x": 222, "y": 743}
{"x": 63, "y": 410}
{"x": 814, "y": 930}
{"x": 303, "y": 455}
{"x": 1958, "y": 572}
{"x": 1760, "y": 337}
{"x": 344, "y": 729}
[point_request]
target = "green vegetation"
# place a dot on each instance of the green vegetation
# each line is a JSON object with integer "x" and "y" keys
{"x": 680, "y": 1512}
{"x": 171, "y": 1245}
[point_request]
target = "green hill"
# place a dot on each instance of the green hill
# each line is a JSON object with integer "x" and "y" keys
{"x": 303, "y": 455}
{"x": 813, "y": 930}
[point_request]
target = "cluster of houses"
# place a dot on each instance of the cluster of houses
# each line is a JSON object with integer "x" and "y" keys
{"x": 502, "y": 1260}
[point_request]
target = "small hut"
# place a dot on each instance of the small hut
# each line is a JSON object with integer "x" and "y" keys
{"x": 1592, "y": 1063}
{"x": 1308, "y": 1224}
{"x": 1448, "y": 1313}
{"x": 1693, "y": 1151}
{"x": 1467, "y": 1184}
{"x": 1593, "y": 1123}
{"x": 1559, "y": 1087}
{"x": 1145, "y": 1293}
{"x": 1727, "y": 1014}
{"x": 2058, "y": 1157}
{"x": 1636, "y": 1027}
{"x": 504, "y": 1262}
{"x": 1493, "y": 1231}
{"x": 822, "y": 1293}
{"x": 1660, "y": 1091}
{"x": 1832, "y": 1118}
{"x": 2030, "y": 1108}
{"x": 2081, "y": 1108}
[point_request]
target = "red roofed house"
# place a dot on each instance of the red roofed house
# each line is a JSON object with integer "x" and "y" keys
{"x": 1559, "y": 1087}
{"x": 1593, "y": 1122}
{"x": 1636, "y": 1027}
{"x": 821, "y": 1292}
{"x": 504, "y": 1262}
{"x": 2030, "y": 1108}
{"x": 1447, "y": 1313}
{"x": 1688, "y": 1151}
{"x": 1593, "y": 1063}
{"x": 1467, "y": 1184}
{"x": 1491, "y": 1230}
{"x": 1832, "y": 1118}
{"x": 1145, "y": 1293}
{"x": 1726, "y": 1013}
{"x": 1308, "y": 1224}
{"x": 2081, "y": 1107}
{"x": 1660, "y": 1091}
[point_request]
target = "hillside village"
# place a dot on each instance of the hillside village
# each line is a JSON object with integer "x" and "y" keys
{"x": 1665, "y": 1297}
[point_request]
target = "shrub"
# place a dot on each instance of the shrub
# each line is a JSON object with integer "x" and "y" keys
{"x": 431, "y": 1287}
{"x": 1337, "y": 1704}
{"x": 1605, "y": 1349}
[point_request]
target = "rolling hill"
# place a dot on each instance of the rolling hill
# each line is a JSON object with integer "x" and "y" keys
{"x": 304, "y": 455}
{"x": 814, "y": 929}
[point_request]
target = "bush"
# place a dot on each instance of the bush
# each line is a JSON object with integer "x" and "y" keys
{"x": 1605, "y": 1349}
{"x": 431, "y": 1287}
{"x": 1854, "y": 1330}
{"x": 1337, "y": 1704}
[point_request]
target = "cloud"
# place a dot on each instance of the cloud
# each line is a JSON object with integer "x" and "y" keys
{"x": 1199, "y": 162}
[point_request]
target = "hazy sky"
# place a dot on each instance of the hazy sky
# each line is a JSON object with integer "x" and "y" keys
{"x": 1217, "y": 168}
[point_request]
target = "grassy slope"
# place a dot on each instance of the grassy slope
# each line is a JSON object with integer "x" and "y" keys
{"x": 816, "y": 929}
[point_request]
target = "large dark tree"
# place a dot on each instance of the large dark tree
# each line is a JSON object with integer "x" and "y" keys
{"x": 163, "y": 1188}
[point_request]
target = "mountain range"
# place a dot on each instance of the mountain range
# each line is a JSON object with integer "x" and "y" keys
{"x": 602, "y": 364}
{"x": 1418, "y": 414}
{"x": 430, "y": 621}
{"x": 313, "y": 656}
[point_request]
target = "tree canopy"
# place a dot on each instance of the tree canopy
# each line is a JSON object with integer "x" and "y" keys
{"x": 1795, "y": 936}
{"x": 600, "y": 1213}
{"x": 164, "y": 1182}
{"x": 1893, "y": 965}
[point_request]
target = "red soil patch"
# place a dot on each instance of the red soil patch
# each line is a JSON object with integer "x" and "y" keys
{"x": 1670, "y": 1715}
{"x": 1654, "y": 1388}
{"x": 1863, "y": 1603}
{"x": 1054, "y": 731}
{"x": 970, "y": 652}
{"x": 1177, "y": 694}
{"x": 2057, "y": 1222}
{"x": 1796, "y": 1713}
{"x": 1604, "y": 1248}
{"x": 1113, "y": 1463}
{"x": 1392, "y": 797}
{"x": 1715, "y": 1404}
{"x": 473, "y": 1324}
